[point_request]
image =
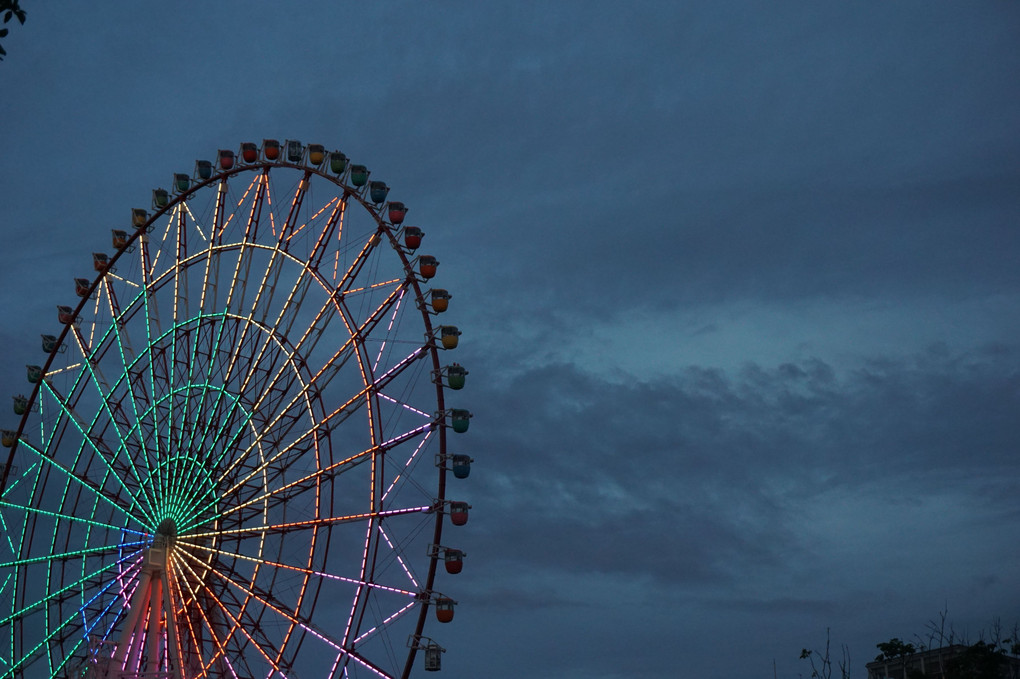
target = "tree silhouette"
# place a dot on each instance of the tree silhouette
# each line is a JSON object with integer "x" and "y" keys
{"x": 894, "y": 648}
{"x": 9, "y": 9}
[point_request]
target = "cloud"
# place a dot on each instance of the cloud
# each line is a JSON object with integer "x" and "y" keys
{"x": 704, "y": 476}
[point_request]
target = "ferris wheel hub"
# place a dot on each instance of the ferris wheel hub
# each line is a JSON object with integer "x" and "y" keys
{"x": 166, "y": 531}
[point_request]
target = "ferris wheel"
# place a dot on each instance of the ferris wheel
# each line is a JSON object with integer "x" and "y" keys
{"x": 233, "y": 461}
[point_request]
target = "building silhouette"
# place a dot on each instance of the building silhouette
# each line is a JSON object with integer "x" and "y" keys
{"x": 979, "y": 661}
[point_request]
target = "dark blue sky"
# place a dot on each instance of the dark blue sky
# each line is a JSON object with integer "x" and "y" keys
{"x": 738, "y": 284}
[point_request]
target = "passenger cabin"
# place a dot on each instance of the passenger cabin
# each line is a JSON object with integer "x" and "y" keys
{"x": 456, "y": 375}
{"x": 65, "y": 314}
{"x": 449, "y": 335}
{"x": 444, "y": 609}
{"x": 461, "y": 418}
{"x": 462, "y": 466}
{"x": 81, "y": 287}
{"x": 378, "y": 191}
{"x": 316, "y": 154}
{"x": 49, "y": 343}
{"x": 397, "y": 212}
{"x": 359, "y": 175}
{"x": 249, "y": 152}
{"x": 459, "y": 513}
{"x": 203, "y": 169}
{"x": 271, "y": 149}
{"x": 100, "y": 262}
{"x": 120, "y": 239}
{"x": 295, "y": 151}
{"x": 182, "y": 182}
{"x": 160, "y": 199}
{"x": 20, "y": 404}
{"x": 8, "y": 438}
{"x": 225, "y": 158}
{"x": 34, "y": 373}
{"x": 412, "y": 237}
{"x": 433, "y": 657}
{"x": 440, "y": 300}
{"x": 453, "y": 560}
{"x": 427, "y": 266}
{"x": 337, "y": 162}
{"x": 139, "y": 216}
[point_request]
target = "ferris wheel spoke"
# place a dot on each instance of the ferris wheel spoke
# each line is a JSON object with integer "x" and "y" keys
{"x": 83, "y": 631}
{"x": 181, "y": 304}
{"x": 403, "y": 471}
{"x": 71, "y": 587}
{"x": 216, "y": 228}
{"x": 204, "y": 413}
{"x": 293, "y": 489}
{"x": 69, "y": 517}
{"x": 380, "y": 382}
{"x": 230, "y": 428}
{"x": 76, "y": 554}
{"x": 287, "y": 228}
{"x": 165, "y": 243}
{"x": 157, "y": 385}
{"x": 328, "y": 310}
{"x": 296, "y": 569}
{"x": 282, "y": 528}
{"x": 220, "y": 332}
{"x": 383, "y": 623}
{"x": 258, "y": 379}
{"x": 335, "y": 223}
{"x": 98, "y": 491}
{"x": 359, "y": 334}
{"x": 273, "y": 269}
{"x": 295, "y": 299}
{"x": 234, "y": 333}
{"x": 252, "y": 592}
{"x": 58, "y": 630}
{"x": 132, "y": 380}
{"x": 328, "y": 371}
{"x": 110, "y": 405}
{"x": 289, "y": 310}
{"x": 262, "y": 303}
{"x": 288, "y": 491}
{"x": 210, "y": 280}
{"x": 246, "y": 628}
{"x": 95, "y": 441}
{"x": 264, "y": 294}
{"x": 215, "y": 426}
{"x": 361, "y": 592}
{"x": 292, "y": 449}
{"x": 242, "y": 457}
{"x": 196, "y": 635}
{"x": 257, "y": 184}
{"x": 117, "y": 326}
{"x": 354, "y": 270}
{"x": 242, "y": 268}
{"x": 397, "y": 554}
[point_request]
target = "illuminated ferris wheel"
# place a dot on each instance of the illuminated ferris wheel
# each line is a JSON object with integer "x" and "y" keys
{"x": 233, "y": 462}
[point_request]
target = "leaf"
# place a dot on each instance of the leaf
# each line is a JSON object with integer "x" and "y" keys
{"x": 4, "y": 32}
{"x": 7, "y": 16}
